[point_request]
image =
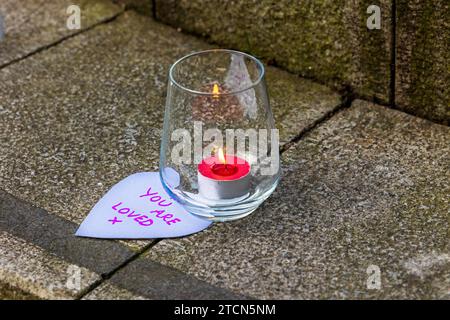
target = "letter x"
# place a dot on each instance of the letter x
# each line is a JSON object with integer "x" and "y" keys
{"x": 113, "y": 221}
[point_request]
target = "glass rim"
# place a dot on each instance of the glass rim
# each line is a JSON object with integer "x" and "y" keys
{"x": 254, "y": 83}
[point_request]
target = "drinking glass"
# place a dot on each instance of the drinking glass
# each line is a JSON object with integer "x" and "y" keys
{"x": 219, "y": 150}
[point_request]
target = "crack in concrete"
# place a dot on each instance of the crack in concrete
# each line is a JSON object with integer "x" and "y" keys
{"x": 347, "y": 98}
{"x": 393, "y": 65}
{"x": 111, "y": 273}
{"x": 61, "y": 40}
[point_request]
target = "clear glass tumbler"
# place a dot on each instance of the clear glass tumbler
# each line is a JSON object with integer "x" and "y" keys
{"x": 220, "y": 149}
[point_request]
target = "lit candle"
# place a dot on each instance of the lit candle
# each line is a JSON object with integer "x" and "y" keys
{"x": 204, "y": 107}
{"x": 215, "y": 91}
{"x": 223, "y": 176}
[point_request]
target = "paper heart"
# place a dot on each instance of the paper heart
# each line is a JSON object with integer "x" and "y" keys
{"x": 139, "y": 208}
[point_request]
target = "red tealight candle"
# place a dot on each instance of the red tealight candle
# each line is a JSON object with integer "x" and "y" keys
{"x": 224, "y": 170}
{"x": 223, "y": 177}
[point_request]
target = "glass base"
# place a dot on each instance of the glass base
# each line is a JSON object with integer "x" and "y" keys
{"x": 228, "y": 210}
{"x": 230, "y": 216}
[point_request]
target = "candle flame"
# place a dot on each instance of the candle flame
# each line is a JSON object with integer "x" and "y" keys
{"x": 215, "y": 90}
{"x": 221, "y": 156}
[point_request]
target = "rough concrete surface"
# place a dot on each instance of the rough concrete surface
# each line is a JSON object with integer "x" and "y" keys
{"x": 56, "y": 235}
{"x": 324, "y": 40}
{"x": 33, "y": 270}
{"x": 423, "y": 59}
{"x": 33, "y": 25}
{"x": 368, "y": 187}
{"x": 89, "y": 112}
{"x": 107, "y": 291}
{"x": 142, "y": 6}
{"x": 155, "y": 281}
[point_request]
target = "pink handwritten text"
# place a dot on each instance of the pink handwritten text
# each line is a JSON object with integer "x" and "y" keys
{"x": 142, "y": 219}
{"x": 155, "y": 197}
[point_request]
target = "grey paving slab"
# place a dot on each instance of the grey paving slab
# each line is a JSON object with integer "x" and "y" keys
{"x": 56, "y": 235}
{"x": 60, "y": 256}
{"x": 155, "y": 281}
{"x": 108, "y": 291}
{"x": 368, "y": 188}
{"x": 8, "y": 292}
{"x": 79, "y": 117}
{"x": 298, "y": 103}
{"x": 39, "y": 273}
{"x": 87, "y": 114}
{"x": 31, "y": 25}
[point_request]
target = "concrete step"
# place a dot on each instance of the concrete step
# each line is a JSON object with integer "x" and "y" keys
{"x": 333, "y": 41}
{"x": 34, "y": 25}
{"x": 81, "y": 115}
{"x": 28, "y": 268}
{"x": 366, "y": 190}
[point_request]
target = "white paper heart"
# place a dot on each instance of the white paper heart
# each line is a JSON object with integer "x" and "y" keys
{"x": 139, "y": 208}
